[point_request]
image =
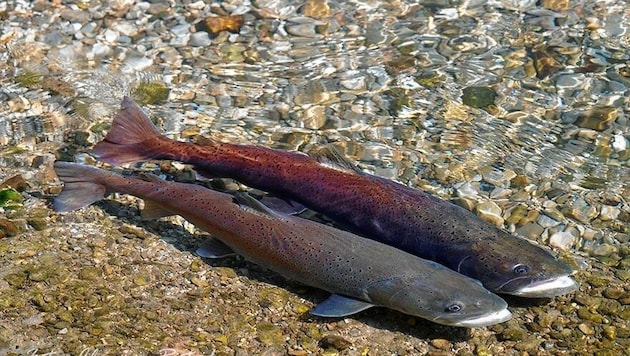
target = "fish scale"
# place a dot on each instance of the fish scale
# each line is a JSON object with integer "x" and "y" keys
{"x": 360, "y": 272}
{"x": 372, "y": 206}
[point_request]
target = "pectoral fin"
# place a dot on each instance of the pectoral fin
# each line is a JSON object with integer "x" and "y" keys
{"x": 252, "y": 203}
{"x": 288, "y": 207}
{"x": 213, "y": 248}
{"x": 337, "y": 306}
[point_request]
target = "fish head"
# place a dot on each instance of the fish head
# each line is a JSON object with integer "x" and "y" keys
{"x": 515, "y": 266}
{"x": 448, "y": 299}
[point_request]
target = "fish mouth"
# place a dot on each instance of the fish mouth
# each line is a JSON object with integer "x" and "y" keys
{"x": 484, "y": 320}
{"x": 546, "y": 288}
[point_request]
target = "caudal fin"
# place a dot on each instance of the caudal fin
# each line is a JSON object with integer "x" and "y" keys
{"x": 80, "y": 186}
{"x": 124, "y": 142}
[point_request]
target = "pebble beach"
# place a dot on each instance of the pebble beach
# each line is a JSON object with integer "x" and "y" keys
{"x": 517, "y": 110}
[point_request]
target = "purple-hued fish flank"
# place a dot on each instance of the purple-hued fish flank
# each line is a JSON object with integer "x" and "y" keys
{"x": 360, "y": 272}
{"x": 378, "y": 208}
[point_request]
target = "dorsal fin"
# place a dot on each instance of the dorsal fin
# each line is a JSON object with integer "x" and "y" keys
{"x": 331, "y": 157}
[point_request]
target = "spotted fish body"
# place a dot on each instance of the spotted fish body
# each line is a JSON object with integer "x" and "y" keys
{"x": 378, "y": 208}
{"x": 360, "y": 272}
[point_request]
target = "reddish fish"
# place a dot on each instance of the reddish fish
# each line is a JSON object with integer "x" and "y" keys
{"x": 360, "y": 272}
{"x": 378, "y": 208}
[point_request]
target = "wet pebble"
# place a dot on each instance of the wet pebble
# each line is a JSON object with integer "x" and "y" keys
{"x": 530, "y": 230}
{"x": 466, "y": 190}
{"x": 581, "y": 211}
{"x": 335, "y": 342}
{"x": 8, "y": 228}
{"x": 529, "y": 344}
{"x": 78, "y": 16}
{"x": 137, "y": 63}
{"x": 200, "y": 39}
{"x": 586, "y": 329}
{"x": 604, "y": 249}
{"x": 490, "y": 212}
{"x": 303, "y": 27}
{"x": 562, "y": 240}
{"x": 441, "y": 344}
{"x": 607, "y": 213}
{"x": 613, "y": 292}
{"x": 547, "y": 222}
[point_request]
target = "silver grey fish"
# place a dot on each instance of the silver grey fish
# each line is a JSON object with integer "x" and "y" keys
{"x": 360, "y": 272}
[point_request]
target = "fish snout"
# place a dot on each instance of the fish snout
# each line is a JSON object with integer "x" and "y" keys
{"x": 546, "y": 288}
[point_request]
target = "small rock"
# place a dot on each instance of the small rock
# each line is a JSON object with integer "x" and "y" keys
{"x": 581, "y": 211}
{"x": 604, "y": 249}
{"x": 586, "y": 329}
{"x": 16, "y": 279}
{"x": 610, "y": 332}
{"x": 216, "y": 24}
{"x": 441, "y": 344}
{"x": 90, "y": 273}
{"x": 316, "y": 9}
{"x": 562, "y": 240}
{"x": 613, "y": 292}
{"x": 530, "y": 230}
{"x": 513, "y": 333}
{"x": 490, "y": 212}
{"x": 111, "y": 35}
{"x": 334, "y": 341}
{"x": 38, "y": 224}
{"x": 546, "y": 221}
{"x": 529, "y": 344}
{"x": 141, "y": 280}
{"x": 269, "y": 334}
{"x": 466, "y": 190}
{"x": 478, "y": 97}
{"x": 126, "y": 29}
{"x": 137, "y": 64}
{"x": 16, "y": 182}
{"x": 78, "y": 16}
{"x": 609, "y": 213}
{"x": 200, "y": 39}
{"x": 7, "y": 228}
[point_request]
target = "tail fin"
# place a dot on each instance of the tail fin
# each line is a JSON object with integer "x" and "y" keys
{"x": 80, "y": 187}
{"x": 130, "y": 128}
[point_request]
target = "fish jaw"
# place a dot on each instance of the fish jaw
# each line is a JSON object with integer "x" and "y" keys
{"x": 547, "y": 288}
{"x": 497, "y": 317}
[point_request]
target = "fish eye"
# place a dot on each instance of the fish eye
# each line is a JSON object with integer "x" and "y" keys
{"x": 520, "y": 269}
{"x": 454, "y": 308}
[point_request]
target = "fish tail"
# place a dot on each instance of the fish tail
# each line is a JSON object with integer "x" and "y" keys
{"x": 128, "y": 137}
{"x": 81, "y": 186}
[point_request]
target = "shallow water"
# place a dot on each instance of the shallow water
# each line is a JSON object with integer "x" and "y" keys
{"x": 430, "y": 95}
{"x": 518, "y": 110}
